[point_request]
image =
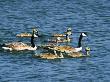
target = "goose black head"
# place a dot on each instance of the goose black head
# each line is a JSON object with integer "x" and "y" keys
{"x": 69, "y": 29}
{"x": 35, "y": 32}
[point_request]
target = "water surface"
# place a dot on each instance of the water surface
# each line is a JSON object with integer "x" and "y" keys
{"x": 92, "y": 16}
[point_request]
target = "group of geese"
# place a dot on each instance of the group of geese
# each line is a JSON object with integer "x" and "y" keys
{"x": 53, "y": 49}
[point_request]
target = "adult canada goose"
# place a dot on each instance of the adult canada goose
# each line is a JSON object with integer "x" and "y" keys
{"x": 50, "y": 55}
{"x": 28, "y": 34}
{"x": 69, "y": 49}
{"x": 80, "y": 54}
{"x": 69, "y": 31}
{"x": 20, "y": 45}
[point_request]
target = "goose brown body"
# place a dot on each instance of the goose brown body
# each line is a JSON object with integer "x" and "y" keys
{"x": 24, "y": 35}
{"x": 67, "y": 49}
{"x": 20, "y": 45}
{"x": 48, "y": 45}
{"x": 48, "y": 56}
{"x": 58, "y": 35}
{"x": 62, "y": 40}
{"x": 76, "y": 54}
{"x": 80, "y": 54}
{"x": 51, "y": 54}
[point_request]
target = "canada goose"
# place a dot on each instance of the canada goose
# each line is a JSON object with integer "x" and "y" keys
{"x": 69, "y": 31}
{"x": 28, "y": 34}
{"x": 69, "y": 49}
{"x": 59, "y": 39}
{"x": 80, "y": 54}
{"x": 50, "y": 55}
{"x": 20, "y": 45}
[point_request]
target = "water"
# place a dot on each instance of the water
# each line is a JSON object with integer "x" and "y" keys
{"x": 92, "y": 16}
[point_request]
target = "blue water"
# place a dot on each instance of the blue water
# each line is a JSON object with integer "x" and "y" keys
{"x": 54, "y": 16}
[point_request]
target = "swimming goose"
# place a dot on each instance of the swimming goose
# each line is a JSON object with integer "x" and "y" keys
{"x": 59, "y": 39}
{"x": 27, "y": 34}
{"x": 80, "y": 54}
{"x": 50, "y": 55}
{"x": 20, "y": 45}
{"x": 69, "y": 49}
{"x": 69, "y": 31}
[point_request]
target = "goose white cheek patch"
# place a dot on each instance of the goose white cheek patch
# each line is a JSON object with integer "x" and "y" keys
{"x": 83, "y": 34}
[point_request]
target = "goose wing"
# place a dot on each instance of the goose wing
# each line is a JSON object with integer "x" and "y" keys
{"x": 75, "y": 54}
{"x": 15, "y": 45}
{"x": 46, "y": 56}
{"x": 67, "y": 49}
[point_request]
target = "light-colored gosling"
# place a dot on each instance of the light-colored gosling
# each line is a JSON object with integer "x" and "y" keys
{"x": 20, "y": 45}
{"x": 80, "y": 54}
{"x": 27, "y": 34}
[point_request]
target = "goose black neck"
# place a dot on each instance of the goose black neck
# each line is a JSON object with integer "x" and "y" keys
{"x": 67, "y": 36}
{"x": 32, "y": 40}
{"x": 79, "y": 42}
